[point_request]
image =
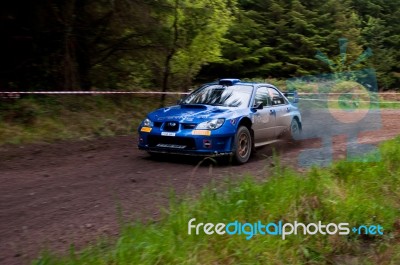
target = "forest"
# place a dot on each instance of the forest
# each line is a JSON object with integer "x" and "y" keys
{"x": 170, "y": 45}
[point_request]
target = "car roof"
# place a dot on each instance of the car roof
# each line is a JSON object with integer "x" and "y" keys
{"x": 235, "y": 81}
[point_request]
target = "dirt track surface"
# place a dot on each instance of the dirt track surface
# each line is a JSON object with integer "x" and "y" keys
{"x": 54, "y": 195}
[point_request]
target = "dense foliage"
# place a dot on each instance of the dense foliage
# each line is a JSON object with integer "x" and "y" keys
{"x": 168, "y": 44}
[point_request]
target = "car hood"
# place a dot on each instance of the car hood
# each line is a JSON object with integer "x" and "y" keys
{"x": 191, "y": 113}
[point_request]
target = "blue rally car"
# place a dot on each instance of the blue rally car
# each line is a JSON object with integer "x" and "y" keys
{"x": 228, "y": 117}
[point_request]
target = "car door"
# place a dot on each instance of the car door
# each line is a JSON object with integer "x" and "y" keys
{"x": 283, "y": 117}
{"x": 263, "y": 119}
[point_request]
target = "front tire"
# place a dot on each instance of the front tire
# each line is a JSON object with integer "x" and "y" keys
{"x": 243, "y": 145}
{"x": 294, "y": 131}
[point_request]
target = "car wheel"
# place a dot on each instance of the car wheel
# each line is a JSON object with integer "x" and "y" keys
{"x": 294, "y": 130}
{"x": 243, "y": 145}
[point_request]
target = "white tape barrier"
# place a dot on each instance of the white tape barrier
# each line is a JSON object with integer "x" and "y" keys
{"x": 331, "y": 93}
{"x": 92, "y": 92}
{"x": 14, "y": 94}
{"x": 372, "y": 102}
{"x": 156, "y": 93}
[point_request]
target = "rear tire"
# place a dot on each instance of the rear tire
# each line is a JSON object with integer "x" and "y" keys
{"x": 243, "y": 145}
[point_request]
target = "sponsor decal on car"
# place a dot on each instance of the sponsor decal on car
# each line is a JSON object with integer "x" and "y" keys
{"x": 168, "y": 134}
{"x": 176, "y": 146}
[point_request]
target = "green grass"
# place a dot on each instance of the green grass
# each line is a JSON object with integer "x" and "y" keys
{"x": 389, "y": 104}
{"x": 51, "y": 118}
{"x": 310, "y": 102}
{"x": 353, "y": 192}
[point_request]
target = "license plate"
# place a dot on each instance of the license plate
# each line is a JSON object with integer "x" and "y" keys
{"x": 175, "y": 146}
{"x": 167, "y": 134}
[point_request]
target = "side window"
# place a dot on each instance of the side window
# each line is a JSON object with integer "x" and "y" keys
{"x": 262, "y": 95}
{"x": 277, "y": 98}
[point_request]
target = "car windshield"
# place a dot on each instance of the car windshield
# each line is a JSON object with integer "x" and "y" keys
{"x": 217, "y": 95}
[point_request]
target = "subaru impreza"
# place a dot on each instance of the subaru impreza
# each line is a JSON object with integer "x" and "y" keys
{"x": 228, "y": 117}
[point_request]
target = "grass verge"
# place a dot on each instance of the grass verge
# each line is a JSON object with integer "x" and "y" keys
{"x": 51, "y": 118}
{"x": 316, "y": 103}
{"x": 352, "y": 192}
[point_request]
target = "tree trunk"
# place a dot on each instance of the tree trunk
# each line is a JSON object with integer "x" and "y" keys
{"x": 170, "y": 55}
{"x": 71, "y": 77}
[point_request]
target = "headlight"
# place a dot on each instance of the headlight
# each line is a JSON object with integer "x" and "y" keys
{"x": 210, "y": 125}
{"x": 147, "y": 123}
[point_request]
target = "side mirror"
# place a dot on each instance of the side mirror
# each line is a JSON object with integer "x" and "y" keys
{"x": 293, "y": 94}
{"x": 295, "y": 97}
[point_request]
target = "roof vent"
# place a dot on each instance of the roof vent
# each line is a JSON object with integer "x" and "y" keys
{"x": 228, "y": 82}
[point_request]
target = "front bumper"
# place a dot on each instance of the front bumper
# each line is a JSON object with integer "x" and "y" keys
{"x": 186, "y": 142}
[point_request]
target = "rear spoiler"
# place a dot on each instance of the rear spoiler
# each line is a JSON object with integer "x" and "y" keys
{"x": 293, "y": 95}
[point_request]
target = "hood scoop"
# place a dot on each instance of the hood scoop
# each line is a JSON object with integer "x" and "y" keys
{"x": 193, "y": 106}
